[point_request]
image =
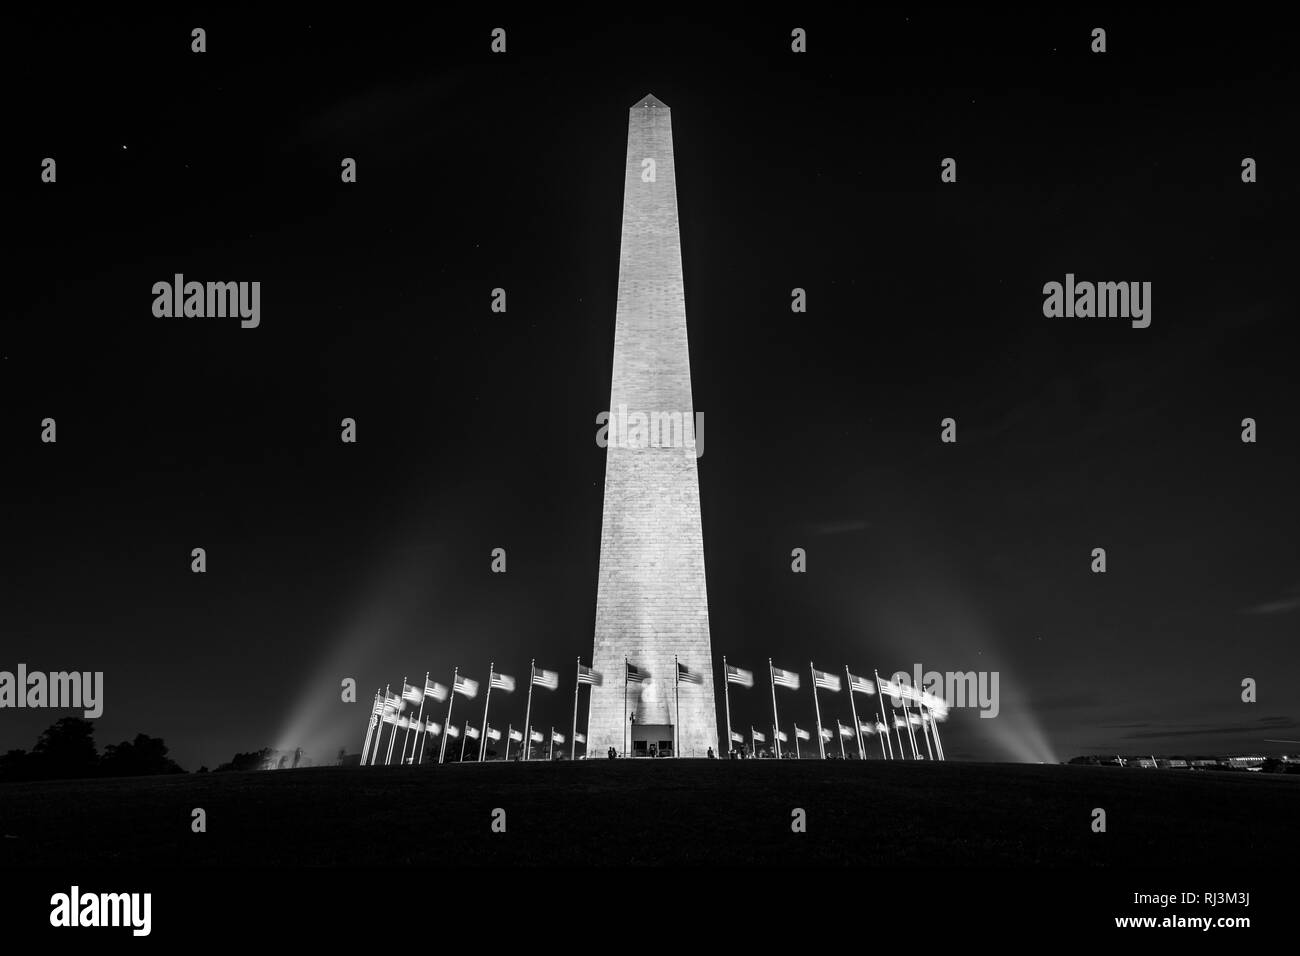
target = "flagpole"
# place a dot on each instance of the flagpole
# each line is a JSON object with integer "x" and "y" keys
{"x": 420, "y": 720}
{"x": 451, "y": 702}
{"x": 880, "y": 694}
{"x": 624, "y": 705}
{"x": 857, "y": 727}
{"x": 374, "y": 753}
{"x": 370, "y": 729}
{"x": 424, "y": 728}
{"x": 821, "y": 744}
{"x": 677, "y": 702}
{"x": 726, "y": 696}
{"x": 528, "y": 711}
{"x": 509, "y": 728}
{"x": 925, "y": 731}
{"x": 408, "y": 722}
{"x": 573, "y": 743}
{"x": 840, "y": 735}
{"x": 911, "y": 735}
{"x": 938, "y": 741}
{"x": 798, "y": 751}
{"x": 423, "y": 740}
{"x": 550, "y": 754}
{"x": 487, "y": 698}
{"x": 776, "y": 721}
{"x": 388, "y": 758}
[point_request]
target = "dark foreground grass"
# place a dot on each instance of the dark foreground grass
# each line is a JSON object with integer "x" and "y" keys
{"x": 663, "y": 811}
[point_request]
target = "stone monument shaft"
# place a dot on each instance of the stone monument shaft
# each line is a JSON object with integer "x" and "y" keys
{"x": 652, "y": 603}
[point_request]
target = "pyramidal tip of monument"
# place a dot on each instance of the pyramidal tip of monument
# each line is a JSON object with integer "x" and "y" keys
{"x": 650, "y": 101}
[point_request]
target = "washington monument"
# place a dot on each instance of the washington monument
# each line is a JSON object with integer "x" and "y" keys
{"x": 652, "y": 607}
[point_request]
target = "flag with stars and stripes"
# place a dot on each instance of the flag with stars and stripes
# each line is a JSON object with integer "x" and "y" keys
{"x": 826, "y": 681}
{"x": 861, "y": 685}
{"x": 547, "y": 679}
{"x": 738, "y": 675}
{"x": 785, "y": 678}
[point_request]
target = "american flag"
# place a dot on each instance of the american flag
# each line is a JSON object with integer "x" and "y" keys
{"x": 536, "y": 737}
{"x": 758, "y": 738}
{"x": 411, "y": 693}
{"x": 588, "y": 676}
{"x": 899, "y": 722}
{"x": 686, "y": 676}
{"x": 785, "y": 678}
{"x": 826, "y": 733}
{"x": 845, "y": 731}
{"x": 865, "y": 727}
{"x": 390, "y": 717}
{"x": 435, "y": 690}
{"x": 826, "y": 681}
{"x": 433, "y": 727}
{"x": 393, "y": 704}
{"x": 557, "y": 737}
{"x": 579, "y": 738}
{"x": 493, "y": 734}
{"x": 890, "y": 688}
{"x": 378, "y": 708}
{"x": 502, "y": 682}
{"x": 937, "y": 706}
{"x": 635, "y": 675}
{"x": 453, "y": 730}
{"x": 738, "y": 675}
{"x": 517, "y": 735}
{"x": 737, "y": 738}
{"x": 881, "y": 728}
{"x": 466, "y": 686}
{"x": 780, "y": 735}
{"x": 860, "y": 685}
{"x": 548, "y": 679}
{"x": 471, "y": 732}
{"x": 802, "y": 734}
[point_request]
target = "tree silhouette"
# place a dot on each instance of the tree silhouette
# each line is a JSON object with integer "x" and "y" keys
{"x": 254, "y": 760}
{"x": 66, "y": 749}
{"x": 143, "y": 756}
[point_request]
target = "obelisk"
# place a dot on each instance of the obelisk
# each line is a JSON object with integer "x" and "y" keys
{"x": 652, "y": 606}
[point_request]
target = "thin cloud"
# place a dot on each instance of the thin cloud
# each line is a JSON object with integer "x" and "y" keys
{"x": 1252, "y": 727}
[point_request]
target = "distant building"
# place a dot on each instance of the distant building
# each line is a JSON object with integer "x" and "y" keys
{"x": 1246, "y": 763}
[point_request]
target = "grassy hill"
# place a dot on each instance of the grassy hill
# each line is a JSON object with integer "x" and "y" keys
{"x": 663, "y": 811}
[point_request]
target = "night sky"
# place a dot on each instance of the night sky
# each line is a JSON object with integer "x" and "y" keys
{"x": 476, "y": 430}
